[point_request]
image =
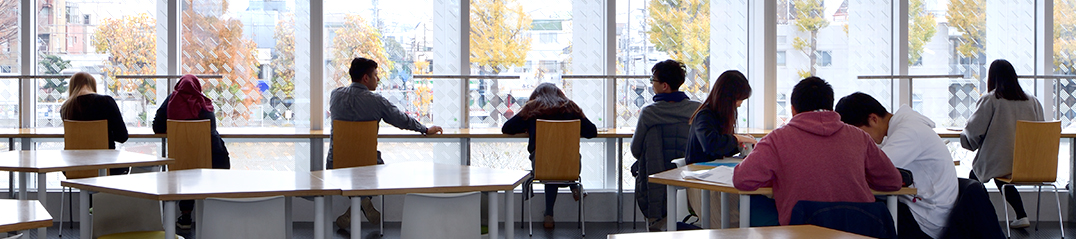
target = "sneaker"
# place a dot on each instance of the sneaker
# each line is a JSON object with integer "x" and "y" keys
{"x": 548, "y": 222}
{"x": 1020, "y": 223}
{"x": 371, "y": 213}
{"x": 184, "y": 221}
{"x": 344, "y": 220}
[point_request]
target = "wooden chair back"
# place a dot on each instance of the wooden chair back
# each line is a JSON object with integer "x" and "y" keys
{"x": 1035, "y": 151}
{"x": 189, "y": 144}
{"x": 354, "y": 143}
{"x": 85, "y": 135}
{"x": 556, "y": 150}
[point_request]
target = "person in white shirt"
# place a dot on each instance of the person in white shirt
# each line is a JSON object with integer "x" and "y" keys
{"x": 909, "y": 140}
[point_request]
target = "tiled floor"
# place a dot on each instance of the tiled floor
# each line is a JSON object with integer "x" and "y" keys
{"x": 304, "y": 230}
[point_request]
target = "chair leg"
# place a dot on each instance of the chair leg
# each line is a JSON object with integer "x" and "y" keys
{"x": 61, "y": 227}
{"x": 1008, "y": 231}
{"x": 530, "y": 217}
{"x": 1060, "y": 218}
{"x": 582, "y": 215}
{"x": 71, "y": 205}
{"x": 1038, "y": 207}
{"x": 382, "y": 231}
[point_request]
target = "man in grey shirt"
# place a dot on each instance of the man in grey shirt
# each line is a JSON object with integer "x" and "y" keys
{"x": 358, "y": 102}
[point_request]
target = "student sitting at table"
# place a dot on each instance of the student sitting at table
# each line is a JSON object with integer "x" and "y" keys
{"x": 547, "y": 102}
{"x": 712, "y": 136}
{"x": 712, "y": 125}
{"x": 358, "y": 102}
{"x": 815, "y": 157}
{"x": 991, "y": 130}
{"x": 188, "y": 103}
{"x": 84, "y": 104}
{"x": 909, "y": 140}
{"x": 660, "y": 136}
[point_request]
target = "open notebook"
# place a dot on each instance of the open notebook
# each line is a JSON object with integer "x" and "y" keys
{"x": 721, "y": 173}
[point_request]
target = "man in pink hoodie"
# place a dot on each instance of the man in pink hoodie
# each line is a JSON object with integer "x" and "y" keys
{"x": 816, "y": 157}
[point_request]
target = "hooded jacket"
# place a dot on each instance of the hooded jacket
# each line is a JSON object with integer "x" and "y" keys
{"x": 912, "y": 144}
{"x": 816, "y": 157}
{"x": 660, "y": 136}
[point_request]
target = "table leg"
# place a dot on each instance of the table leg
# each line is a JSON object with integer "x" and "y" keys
{"x": 288, "y": 228}
{"x": 356, "y": 222}
{"x": 620, "y": 181}
{"x": 22, "y": 185}
{"x": 493, "y": 205}
{"x": 328, "y": 218}
{"x": 509, "y": 214}
{"x": 169, "y": 219}
{"x": 725, "y": 213}
{"x": 670, "y": 214}
{"x": 891, "y": 202}
{"x": 319, "y": 216}
{"x": 745, "y": 211}
{"x": 41, "y": 190}
{"x": 85, "y": 224}
{"x": 704, "y": 216}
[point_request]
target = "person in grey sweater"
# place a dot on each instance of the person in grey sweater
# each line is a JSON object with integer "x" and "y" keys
{"x": 992, "y": 128}
{"x": 660, "y": 137}
{"x": 358, "y": 102}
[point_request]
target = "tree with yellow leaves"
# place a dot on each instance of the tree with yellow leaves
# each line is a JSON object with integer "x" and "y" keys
{"x": 283, "y": 61}
{"x": 215, "y": 45}
{"x": 922, "y": 29}
{"x": 499, "y": 40}
{"x": 131, "y": 44}
{"x": 810, "y": 19}
{"x": 968, "y": 19}
{"x": 357, "y": 38}
{"x": 1065, "y": 37}
{"x": 681, "y": 28}
{"x": 423, "y": 91}
{"x": 499, "y": 37}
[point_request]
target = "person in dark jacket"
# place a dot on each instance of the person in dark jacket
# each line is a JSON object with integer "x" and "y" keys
{"x": 188, "y": 103}
{"x": 549, "y": 103}
{"x": 84, "y": 104}
{"x": 711, "y": 136}
{"x": 660, "y": 136}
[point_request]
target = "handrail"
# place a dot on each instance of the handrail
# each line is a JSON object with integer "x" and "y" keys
{"x": 463, "y": 76}
{"x": 908, "y": 76}
{"x": 604, "y": 76}
{"x": 34, "y": 76}
{"x": 1070, "y": 77}
{"x": 166, "y": 76}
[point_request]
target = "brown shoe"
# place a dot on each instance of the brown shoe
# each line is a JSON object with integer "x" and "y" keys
{"x": 371, "y": 213}
{"x": 344, "y": 220}
{"x": 575, "y": 194}
{"x": 548, "y": 222}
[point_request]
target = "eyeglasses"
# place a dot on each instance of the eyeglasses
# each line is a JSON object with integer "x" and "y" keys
{"x": 654, "y": 80}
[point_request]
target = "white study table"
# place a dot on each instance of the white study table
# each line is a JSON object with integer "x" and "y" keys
{"x": 199, "y": 184}
{"x": 423, "y": 177}
{"x": 47, "y": 161}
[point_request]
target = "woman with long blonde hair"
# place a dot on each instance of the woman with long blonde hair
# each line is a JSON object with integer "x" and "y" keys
{"x": 84, "y": 104}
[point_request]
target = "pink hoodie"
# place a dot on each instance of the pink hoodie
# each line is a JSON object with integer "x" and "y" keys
{"x": 816, "y": 157}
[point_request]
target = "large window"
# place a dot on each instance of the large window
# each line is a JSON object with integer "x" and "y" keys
{"x": 9, "y": 63}
{"x": 837, "y": 41}
{"x": 238, "y": 40}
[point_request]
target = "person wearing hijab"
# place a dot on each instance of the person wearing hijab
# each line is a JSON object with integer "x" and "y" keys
{"x": 84, "y": 104}
{"x": 188, "y": 103}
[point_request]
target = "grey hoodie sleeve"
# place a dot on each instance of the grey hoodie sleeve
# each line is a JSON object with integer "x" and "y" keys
{"x": 978, "y": 123}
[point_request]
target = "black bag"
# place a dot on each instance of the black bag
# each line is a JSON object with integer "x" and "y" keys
{"x": 905, "y": 177}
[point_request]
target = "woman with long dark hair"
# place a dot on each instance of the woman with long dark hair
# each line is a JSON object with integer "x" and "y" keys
{"x": 84, "y": 104}
{"x": 992, "y": 128}
{"x": 547, "y": 102}
{"x": 713, "y": 125}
